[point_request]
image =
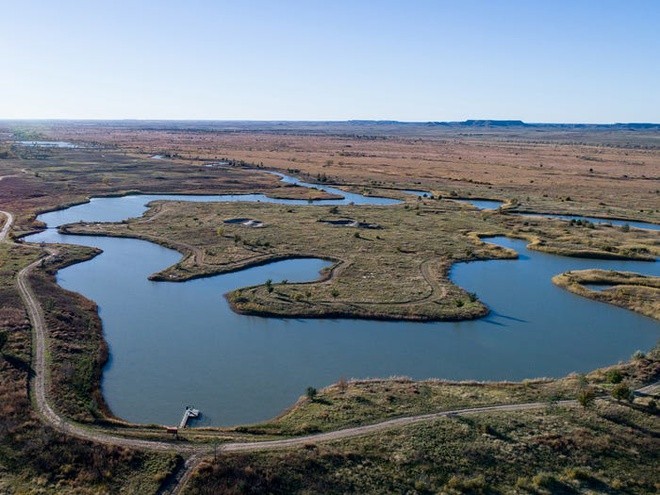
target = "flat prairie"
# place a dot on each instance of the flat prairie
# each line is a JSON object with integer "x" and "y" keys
{"x": 600, "y": 170}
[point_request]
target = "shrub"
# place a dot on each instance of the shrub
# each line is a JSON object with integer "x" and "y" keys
{"x": 614, "y": 376}
{"x": 586, "y": 397}
{"x": 311, "y": 393}
{"x": 475, "y": 485}
{"x": 622, "y": 392}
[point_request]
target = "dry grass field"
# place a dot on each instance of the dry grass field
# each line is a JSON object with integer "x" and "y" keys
{"x": 605, "y": 449}
{"x": 42, "y": 179}
{"x": 601, "y": 172}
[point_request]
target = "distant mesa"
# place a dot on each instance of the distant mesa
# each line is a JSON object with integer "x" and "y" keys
{"x": 632, "y": 126}
{"x": 494, "y": 123}
{"x": 507, "y": 123}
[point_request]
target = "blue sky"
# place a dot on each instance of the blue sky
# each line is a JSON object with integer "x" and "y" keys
{"x": 414, "y": 60}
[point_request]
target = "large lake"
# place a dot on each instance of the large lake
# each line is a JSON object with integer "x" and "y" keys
{"x": 173, "y": 344}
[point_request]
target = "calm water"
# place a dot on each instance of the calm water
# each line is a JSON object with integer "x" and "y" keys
{"x": 599, "y": 287}
{"x": 349, "y": 198}
{"x": 482, "y": 204}
{"x": 174, "y": 344}
{"x": 48, "y": 144}
{"x": 620, "y": 223}
{"x": 120, "y": 208}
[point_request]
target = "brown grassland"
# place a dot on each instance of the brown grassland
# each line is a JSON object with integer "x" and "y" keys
{"x": 607, "y": 446}
{"x": 601, "y": 173}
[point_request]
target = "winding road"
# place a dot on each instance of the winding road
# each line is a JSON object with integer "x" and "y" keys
{"x": 40, "y": 387}
{"x": 8, "y": 223}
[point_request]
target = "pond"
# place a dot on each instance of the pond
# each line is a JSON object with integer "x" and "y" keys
{"x": 599, "y": 287}
{"x": 173, "y": 344}
{"x": 482, "y": 204}
{"x": 48, "y": 144}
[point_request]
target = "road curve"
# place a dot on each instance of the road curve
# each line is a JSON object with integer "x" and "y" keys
{"x": 8, "y": 223}
{"x": 40, "y": 378}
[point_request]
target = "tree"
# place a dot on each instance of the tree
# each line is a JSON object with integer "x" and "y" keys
{"x": 311, "y": 393}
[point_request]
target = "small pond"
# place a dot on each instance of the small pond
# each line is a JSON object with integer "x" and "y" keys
{"x": 482, "y": 204}
{"x": 599, "y": 287}
{"x": 48, "y": 144}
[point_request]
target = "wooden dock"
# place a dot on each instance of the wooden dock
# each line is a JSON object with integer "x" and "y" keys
{"x": 190, "y": 412}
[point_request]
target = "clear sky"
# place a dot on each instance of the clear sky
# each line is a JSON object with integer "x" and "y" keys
{"x": 413, "y": 60}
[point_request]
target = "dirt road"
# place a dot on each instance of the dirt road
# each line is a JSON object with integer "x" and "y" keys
{"x": 8, "y": 223}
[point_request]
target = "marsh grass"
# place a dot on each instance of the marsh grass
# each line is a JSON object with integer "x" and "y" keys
{"x": 357, "y": 402}
{"x": 608, "y": 448}
{"x": 629, "y": 290}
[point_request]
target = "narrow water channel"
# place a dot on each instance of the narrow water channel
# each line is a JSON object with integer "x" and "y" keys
{"x": 174, "y": 344}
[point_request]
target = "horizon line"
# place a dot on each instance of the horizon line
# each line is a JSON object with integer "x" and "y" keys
{"x": 322, "y": 121}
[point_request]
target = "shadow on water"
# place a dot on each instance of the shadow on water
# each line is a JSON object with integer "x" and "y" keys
{"x": 512, "y": 318}
{"x": 490, "y": 320}
{"x": 494, "y": 318}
